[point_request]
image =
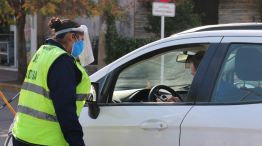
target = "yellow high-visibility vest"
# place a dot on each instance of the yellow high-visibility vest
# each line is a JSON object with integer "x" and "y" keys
{"x": 36, "y": 120}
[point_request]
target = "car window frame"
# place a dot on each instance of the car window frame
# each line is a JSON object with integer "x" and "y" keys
{"x": 108, "y": 89}
{"x": 224, "y": 46}
{"x": 204, "y": 82}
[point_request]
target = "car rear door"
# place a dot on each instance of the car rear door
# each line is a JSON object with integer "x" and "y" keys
{"x": 229, "y": 101}
{"x": 140, "y": 123}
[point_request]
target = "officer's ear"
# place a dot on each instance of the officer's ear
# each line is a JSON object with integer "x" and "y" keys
{"x": 69, "y": 37}
{"x": 73, "y": 36}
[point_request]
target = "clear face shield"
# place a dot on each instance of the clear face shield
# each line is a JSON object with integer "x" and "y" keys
{"x": 86, "y": 57}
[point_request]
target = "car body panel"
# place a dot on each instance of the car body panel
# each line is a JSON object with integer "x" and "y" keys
{"x": 244, "y": 39}
{"x": 116, "y": 124}
{"x": 226, "y": 125}
{"x": 134, "y": 125}
{"x": 209, "y": 121}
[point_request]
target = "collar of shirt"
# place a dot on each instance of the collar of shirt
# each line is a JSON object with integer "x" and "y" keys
{"x": 54, "y": 43}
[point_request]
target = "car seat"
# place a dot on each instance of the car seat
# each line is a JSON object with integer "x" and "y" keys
{"x": 248, "y": 69}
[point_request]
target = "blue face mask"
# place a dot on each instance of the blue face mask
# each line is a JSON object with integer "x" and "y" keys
{"x": 77, "y": 48}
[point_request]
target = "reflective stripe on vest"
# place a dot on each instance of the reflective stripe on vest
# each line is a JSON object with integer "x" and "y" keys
{"x": 35, "y": 88}
{"x": 40, "y": 90}
{"x": 36, "y": 114}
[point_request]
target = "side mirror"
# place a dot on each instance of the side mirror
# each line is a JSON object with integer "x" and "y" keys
{"x": 93, "y": 108}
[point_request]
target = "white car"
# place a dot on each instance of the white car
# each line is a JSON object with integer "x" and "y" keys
{"x": 221, "y": 103}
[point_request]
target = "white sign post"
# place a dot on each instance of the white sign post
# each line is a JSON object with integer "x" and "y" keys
{"x": 168, "y": 10}
{"x": 163, "y": 9}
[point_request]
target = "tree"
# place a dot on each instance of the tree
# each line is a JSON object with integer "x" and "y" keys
{"x": 185, "y": 18}
{"x": 117, "y": 46}
{"x": 15, "y": 11}
{"x": 109, "y": 11}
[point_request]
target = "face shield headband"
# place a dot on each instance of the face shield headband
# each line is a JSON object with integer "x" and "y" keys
{"x": 86, "y": 57}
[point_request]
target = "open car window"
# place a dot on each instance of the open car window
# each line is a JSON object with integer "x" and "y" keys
{"x": 135, "y": 81}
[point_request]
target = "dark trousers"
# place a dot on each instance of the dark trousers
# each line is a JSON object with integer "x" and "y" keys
{"x": 18, "y": 142}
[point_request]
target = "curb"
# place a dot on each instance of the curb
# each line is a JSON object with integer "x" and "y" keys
{"x": 10, "y": 86}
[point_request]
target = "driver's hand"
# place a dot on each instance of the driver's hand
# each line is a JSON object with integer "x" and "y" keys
{"x": 169, "y": 98}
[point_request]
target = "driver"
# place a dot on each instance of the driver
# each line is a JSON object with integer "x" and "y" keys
{"x": 194, "y": 61}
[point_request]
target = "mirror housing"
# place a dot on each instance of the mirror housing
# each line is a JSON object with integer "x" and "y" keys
{"x": 93, "y": 108}
{"x": 182, "y": 58}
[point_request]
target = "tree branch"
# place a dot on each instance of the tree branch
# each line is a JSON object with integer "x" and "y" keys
{"x": 12, "y": 3}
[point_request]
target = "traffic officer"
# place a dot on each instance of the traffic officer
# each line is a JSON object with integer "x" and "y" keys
{"x": 54, "y": 91}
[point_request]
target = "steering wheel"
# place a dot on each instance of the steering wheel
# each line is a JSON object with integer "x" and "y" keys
{"x": 154, "y": 92}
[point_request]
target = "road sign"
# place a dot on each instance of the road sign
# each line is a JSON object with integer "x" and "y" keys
{"x": 164, "y": 1}
{"x": 163, "y": 9}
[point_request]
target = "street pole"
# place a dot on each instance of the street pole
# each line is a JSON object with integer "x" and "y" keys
{"x": 33, "y": 35}
{"x": 163, "y": 8}
{"x": 162, "y": 27}
{"x": 162, "y": 70}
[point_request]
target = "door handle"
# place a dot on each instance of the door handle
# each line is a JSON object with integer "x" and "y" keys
{"x": 153, "y": 125}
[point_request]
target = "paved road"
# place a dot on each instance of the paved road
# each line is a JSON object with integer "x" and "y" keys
{"x": 6, "y": 117}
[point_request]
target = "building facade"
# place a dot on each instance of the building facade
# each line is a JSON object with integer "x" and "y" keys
{"x": 239, "y": 11}
{"x": 7, "y": 47}
{"x": 229, "y": 11}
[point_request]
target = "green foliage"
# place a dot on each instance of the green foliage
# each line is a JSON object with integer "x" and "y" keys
{"x": 69, "y": 8}
{"x": 185, "y": 18}
{"x": 109, "y": 8}
{"x": 117, "y": 46}
{"x": 6, "y": 14}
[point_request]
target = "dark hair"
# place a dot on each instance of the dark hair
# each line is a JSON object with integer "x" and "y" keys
{"x": 57, "y": 24}
{"x": 196, "y": 59}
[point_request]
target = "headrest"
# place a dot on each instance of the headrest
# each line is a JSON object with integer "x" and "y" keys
{"x": 248, "y": 64}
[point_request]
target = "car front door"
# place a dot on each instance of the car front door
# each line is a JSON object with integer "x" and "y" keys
{"x": 229, "y": 114}
{"x": 122, "y": 122}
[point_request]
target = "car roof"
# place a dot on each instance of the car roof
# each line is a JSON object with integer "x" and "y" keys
{"x": 217, "y": 33}
{"x": 204, "y": 31}
{"x": 230, "y": 26}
